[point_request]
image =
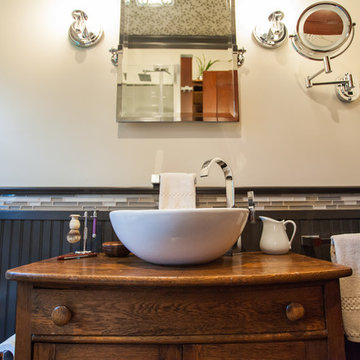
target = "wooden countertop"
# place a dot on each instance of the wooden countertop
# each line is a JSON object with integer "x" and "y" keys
{"x": 246, "y": 268}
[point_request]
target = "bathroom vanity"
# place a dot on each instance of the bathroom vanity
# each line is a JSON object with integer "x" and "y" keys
{"x": 248, "y": 306}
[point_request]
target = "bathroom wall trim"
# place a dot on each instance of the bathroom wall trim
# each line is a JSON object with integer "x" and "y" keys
{"x": 104, "y": 215}
{"x": 155, "y": 190}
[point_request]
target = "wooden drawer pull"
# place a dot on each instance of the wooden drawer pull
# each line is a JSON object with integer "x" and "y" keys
{"x": 295, "y": 311}
{"x": 61, "y": 315}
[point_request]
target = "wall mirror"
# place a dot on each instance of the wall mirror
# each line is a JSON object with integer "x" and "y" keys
{"x": 177, "y": 61}
{"x": 323, "y": 32}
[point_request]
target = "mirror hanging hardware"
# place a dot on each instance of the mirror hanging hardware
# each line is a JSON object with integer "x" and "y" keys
{"x": 79, "y": 34}
{"x": 240, "y": 57}
{"x": 274, "y": 35}
{"x": 115, "y": 55}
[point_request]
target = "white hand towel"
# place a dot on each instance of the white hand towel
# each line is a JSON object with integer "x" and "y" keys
{"x": 177, "y": 191}
{"x": 345, "y": 250}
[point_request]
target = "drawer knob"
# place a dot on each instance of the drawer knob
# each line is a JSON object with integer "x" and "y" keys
{"x": 61, "y": 315}
{"x": 295, "y": 311}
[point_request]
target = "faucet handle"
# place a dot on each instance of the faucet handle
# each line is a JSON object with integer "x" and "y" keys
{"x": 251, "y": 206}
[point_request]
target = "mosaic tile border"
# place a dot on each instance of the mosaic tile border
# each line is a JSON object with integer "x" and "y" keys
{"x": 108, "y": 202}
{"x": 185, "y": 17}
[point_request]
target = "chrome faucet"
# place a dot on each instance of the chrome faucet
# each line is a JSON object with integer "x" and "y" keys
{"x": 229, "y": 183}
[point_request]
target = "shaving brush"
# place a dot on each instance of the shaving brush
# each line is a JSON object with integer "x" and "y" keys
{"x": 73, "y": 235}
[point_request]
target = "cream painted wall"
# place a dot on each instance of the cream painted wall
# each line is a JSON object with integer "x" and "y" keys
{"x": 57, "y": 109}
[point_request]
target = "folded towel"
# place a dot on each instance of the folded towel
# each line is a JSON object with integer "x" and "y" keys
{"x": 177, "y": 191}
{"x": 7, "y": 348}
{"x": 345, "y": 250}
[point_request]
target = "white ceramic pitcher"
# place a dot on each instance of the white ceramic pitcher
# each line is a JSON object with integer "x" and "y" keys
{"x": 274, "y": 239}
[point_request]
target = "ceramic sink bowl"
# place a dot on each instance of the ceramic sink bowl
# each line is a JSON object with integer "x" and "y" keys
{"x": 179, "y": 236}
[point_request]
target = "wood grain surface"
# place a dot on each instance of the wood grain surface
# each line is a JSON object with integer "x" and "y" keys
{"x": 245, "y": 268}
{"x": 334, "y": 320}
{"x": 185, "y": 339}
{"x": 270, "y": 351}
{"x": 141, "y": 311}
{"x": 233, "y": 308}
{"x": 23, "y": 321}
{"x": 97, "y": 351}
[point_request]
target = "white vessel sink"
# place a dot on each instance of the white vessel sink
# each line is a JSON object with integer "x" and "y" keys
{"x": 179, "y": 236}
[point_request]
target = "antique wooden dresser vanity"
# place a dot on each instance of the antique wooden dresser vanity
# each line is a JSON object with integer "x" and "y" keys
{"x": 249, "y": 306}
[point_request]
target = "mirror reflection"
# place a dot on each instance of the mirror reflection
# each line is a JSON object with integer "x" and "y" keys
{"x": 177, "y": 61}
{"x": 323, "y": 28}
{"x": 325, "y": 33}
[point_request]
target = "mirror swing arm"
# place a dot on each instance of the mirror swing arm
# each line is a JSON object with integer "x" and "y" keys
{"x": 347, "y": 82}
{"x": 347, "y": 88}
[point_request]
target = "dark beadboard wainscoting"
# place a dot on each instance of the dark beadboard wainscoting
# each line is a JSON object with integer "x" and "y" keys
{"x": 28, "y": 236}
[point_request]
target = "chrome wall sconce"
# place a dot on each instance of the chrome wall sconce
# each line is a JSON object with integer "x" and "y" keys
{"x": 79, "y": 34}
{"x": 324, "y": 31}
{"x": 274, "y": 33}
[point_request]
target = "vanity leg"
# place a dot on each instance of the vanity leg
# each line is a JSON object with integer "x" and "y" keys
{"x": 23, "y": 321}
{"x": 336, "y": 346}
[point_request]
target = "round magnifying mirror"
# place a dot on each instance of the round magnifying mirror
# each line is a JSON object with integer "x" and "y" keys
{"x": 322, "y": 30}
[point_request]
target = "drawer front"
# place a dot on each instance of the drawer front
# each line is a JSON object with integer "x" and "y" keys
{"x": 294, "y": 350}
{"x": 46, "y": 351}
{"x": 142, "y": 311}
